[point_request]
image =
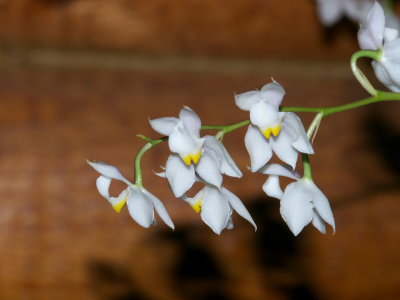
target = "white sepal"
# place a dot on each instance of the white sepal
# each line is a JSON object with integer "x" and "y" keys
{"x": 140, "y": 208}
{"x": 164, "y": 126}
{"x": 181, "y": 177}
{"x": 272, "y": 188}
{"x": 258, "y": 147}
{"x": 215, "y": 210}
{"x": 107, "y": 170}
{"x": 191, "y": 120}
{"x": 246, "y": 100}
{"x": 208, "y": 169}
{"x": 301, "y": 142}
{"x": 296, "y": 207}
{"x": 318, "y": 222}
{"x": 159, "y": 207}
{"x": 273, "y": 92}
{"x": 282, "y": 146}
{"x": 103, "y": 186}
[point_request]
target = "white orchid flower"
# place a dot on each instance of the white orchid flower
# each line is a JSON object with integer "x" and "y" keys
{"x": 140, "y": 202}
{"x": 374, "y": 35}
{"x": 214, "y": 162}
{"x": 331, "y": 11}
{"x": 302, "y": 201}
{"x": 216, "y": 206}
{"x": 272, "y": 130}
{"x": 184, "y": 134}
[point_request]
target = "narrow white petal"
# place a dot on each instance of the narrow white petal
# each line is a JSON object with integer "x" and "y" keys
{"x": 245, "y": 100}
{"x": 272, "y": 188}
{"x": 228, "y": 166}
{"x": 321, "y": 203}
{"x": 160, "y": 209}
{"x": 301, "y": 141}
{"x": 282, "y": 147}
{"x": 107, "y": 170}
{"x": 191, "y": 120}
{"x": 273, "y": 92}
{"x": 180, "y": 176}
{"x": 296, "y": 207}
{"x": 103, "y": 186}
{"x": 238, "y": 206}
{"x": 215, "y": 210}
{"x": 208, "y": 169}
{"x": 258, "y": 147}
{"x": 140, "y": 208}
{"x": 279, "y": 170}
{"x": 164, "y": 126}
{"x": 264, "y": 115}
{"x": 318, "y": 222}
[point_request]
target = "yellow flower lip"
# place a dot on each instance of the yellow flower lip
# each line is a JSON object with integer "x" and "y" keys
{"x": 120, "y": 204}
{"x": 188, "y": 159}
{"x": 272, "y": 130}
{"x": 197, "y": 205}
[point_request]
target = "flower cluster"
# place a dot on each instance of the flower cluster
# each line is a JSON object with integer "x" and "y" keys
{"x": 282, "y": 133}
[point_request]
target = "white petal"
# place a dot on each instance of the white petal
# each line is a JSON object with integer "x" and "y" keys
{"x": 215, "y": 210}
{"x": 370, "y": 36}
{"x": 273, "y": 92}
{"x": 103, "y": 186}
{"x": 191, "y": 120}
{"x": 301, "y": 141}
{"x": 208, "y": 169}
{"x": 164, "y": 126}
{"x": 384, "y": 77}
{"x": 184, "y": 143}
{"x": 272, "y": 188}
{"x": 107, "y": 170}
{"x": 321, "y": 203}
{"x": 180, "y": 176}
{"x": 228, "y": 166}
{"x": 160, "y": 209}
{"x": 258, "y": 147}
{"x": 264, "y": 115}
{"x": 245, "y": 100}
{"x": 318, "y": 222}
{"x": 279, "y": 170}
{"x": 390, "y": 34}
{"x": 140, "y": 208}
{"x": 230, "y": 224}
{"x": 329, "y": 11}
{"x": 296, "y": 207}
{"x": 238, "y": 206}
{"x": 282, "y": 146}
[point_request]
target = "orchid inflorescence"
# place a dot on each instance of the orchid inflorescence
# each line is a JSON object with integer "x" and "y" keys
{"x": 272, "y": 129}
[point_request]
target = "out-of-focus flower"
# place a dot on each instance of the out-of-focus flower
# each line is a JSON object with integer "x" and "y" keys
{"x": 374, "y": 35}
{"x": 272, "y": 130}
{"x": 140, "y": 202}
{"x": 331, "y": 11}
{"x": 302, "y": 201}
{"x": 216, "y": 206}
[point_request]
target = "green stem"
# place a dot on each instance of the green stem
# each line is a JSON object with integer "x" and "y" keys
{"x": 151, "y": 143}
{"x": 362, "y": 79}
{"x": 226, "y": 128}
{"x": 306, "y": 166}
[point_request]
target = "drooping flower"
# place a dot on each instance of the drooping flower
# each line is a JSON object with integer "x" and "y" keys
{"x": 209, "y": 162}
{"x": 216, "y": 206}
{"x": 302, "y": 201}
{"x": 331, "y": 11}
{"x": 272, "y": 130}
{"x": 375, "y": 35}
{"x": 140, "y": 202}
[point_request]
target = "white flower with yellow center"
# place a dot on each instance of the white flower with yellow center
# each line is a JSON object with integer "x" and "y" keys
{"x": 374, "y": 35}
{"x": 211, "y": 161}
{"x": 140, "y": 202}
{"x": 216, "y": 206}
{"x": 302, "y": 201}
{"x": 272, "y": 130}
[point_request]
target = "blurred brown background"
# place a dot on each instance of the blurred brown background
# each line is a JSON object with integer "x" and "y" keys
{"x": 79, "y": 79}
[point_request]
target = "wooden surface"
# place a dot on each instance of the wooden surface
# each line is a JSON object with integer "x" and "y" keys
{"x": 224, "y": 28}
{"x": 61, "y": 240}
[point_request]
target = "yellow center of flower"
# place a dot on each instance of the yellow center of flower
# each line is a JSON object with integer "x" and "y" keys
{"x": 274, "y": 130}
{"x": 188, "y": 159}
{"x": 197, "y": 205}
{"x": 120, "y": 204}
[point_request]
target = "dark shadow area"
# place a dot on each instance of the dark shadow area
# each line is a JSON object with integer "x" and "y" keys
{"x": 382, "y": 137}
{"x": 110, "y": 281}
{"x": 330, "y": 34}
{"x": 279, "y": 252}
